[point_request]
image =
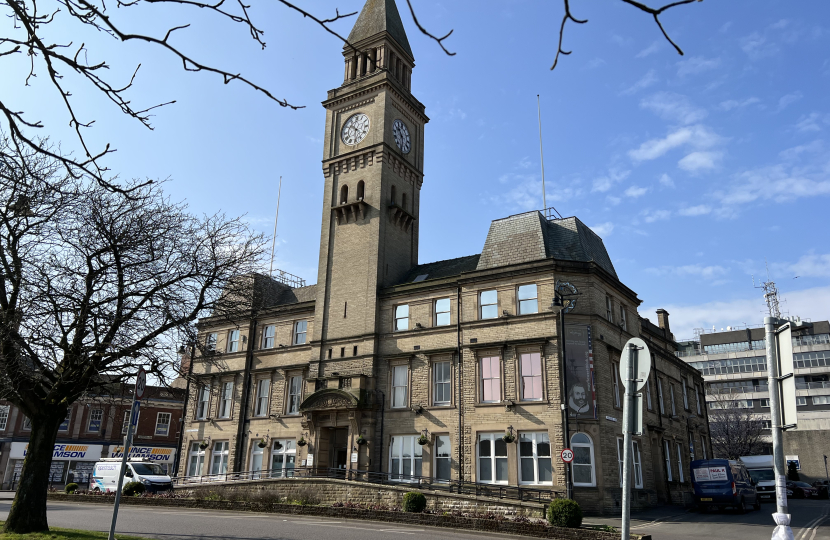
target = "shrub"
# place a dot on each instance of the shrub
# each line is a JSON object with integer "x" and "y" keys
{"x": 565, "y": 513}
{"x": 71, "y": 487}
{"x": 132, "y": 488}
{"x": 414, "y": 501}
{"x": 305, "y": 496}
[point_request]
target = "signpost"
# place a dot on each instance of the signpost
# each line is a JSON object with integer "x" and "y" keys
{"x": 567, "y": 455}
{"x": 635, "y": 364}
{"x": 138, "y": 393}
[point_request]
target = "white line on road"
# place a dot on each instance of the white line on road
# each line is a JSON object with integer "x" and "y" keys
{"x": 657, "y": 521}
{"x": 813, "y": 525}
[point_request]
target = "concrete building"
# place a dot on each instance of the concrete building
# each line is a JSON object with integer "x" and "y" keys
{"x": 464, "y": 355}
{"x": 733, "y": 364}
{"x": 95, "y": 428}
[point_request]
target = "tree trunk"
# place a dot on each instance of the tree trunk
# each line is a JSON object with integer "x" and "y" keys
{"x": 28, "y": 512}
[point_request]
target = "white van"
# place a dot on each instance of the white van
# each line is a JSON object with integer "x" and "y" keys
{"x": 105, "y": 475}
{"x": 762, "y": 470}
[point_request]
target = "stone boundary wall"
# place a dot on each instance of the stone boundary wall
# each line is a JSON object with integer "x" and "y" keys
{"x": 538, "y": 530}
{"x": 328, "y": 491}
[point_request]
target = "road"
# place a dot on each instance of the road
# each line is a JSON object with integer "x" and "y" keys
{"x": 186, "y": 524}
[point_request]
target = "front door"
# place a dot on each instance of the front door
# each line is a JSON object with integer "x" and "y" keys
{"x": 339, "y": 441}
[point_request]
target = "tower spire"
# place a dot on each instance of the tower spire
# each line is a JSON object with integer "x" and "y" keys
{"x": 377, "y": 17}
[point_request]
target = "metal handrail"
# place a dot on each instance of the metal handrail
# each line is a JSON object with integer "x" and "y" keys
{"x": 498, "y": 491}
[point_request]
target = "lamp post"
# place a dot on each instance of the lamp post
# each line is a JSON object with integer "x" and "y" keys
{"x": 559, "y": 306}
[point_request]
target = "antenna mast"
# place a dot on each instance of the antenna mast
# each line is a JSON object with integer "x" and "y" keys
{"x": 555, "y": 213}
{"x": 274, "y": 240}
{"x": 770, "y": 296}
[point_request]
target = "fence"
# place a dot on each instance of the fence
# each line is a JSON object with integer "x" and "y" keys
{"x": 496, "y": 491}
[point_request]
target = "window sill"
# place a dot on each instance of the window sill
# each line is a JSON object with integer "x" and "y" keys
{"x": 440, "y": 407}
{"x": 497, "y": 404}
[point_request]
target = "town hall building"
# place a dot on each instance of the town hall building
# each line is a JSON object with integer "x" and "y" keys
{"x": 465, "y": 370}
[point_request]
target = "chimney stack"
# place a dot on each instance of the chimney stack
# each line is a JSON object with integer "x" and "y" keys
{"x": 663, "y": 321}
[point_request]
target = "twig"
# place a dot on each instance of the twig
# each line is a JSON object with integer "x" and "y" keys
{"x": 424, "y": 30}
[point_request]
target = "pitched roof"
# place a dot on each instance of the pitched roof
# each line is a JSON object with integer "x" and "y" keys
{"x": 442, "y": 269}
{"x": 379, "y": 16}
{"x": 295, "y": 296}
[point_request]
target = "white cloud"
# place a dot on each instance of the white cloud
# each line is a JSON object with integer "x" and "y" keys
{"x": 735, "y": 104}
{"x": 604, "y": 183}
{"x": 645, "y": 81}
{"x": 673, "y": 107}
{"x": 756, "y": 46}
{"x": 810, "y": 122}
{"x": 595, "y": 63}
{"x": 603, "y": 229}
{"x": 650, "y": 216}
{"x": 789, "y": 99}
{"x": 699, "y": 137}
{"x": 698, "y": 161}
{"x": 775, "y": 183}
{"x": 696, "y": 65}
{"x": 648, "y": 51}
{"x": 635, "y": 192}
{"x": 666, "y": 180}
{"x": 690, "y": 270}
{"x": 807, "y": 303}
{"x": 526, "y": 192}
{"x": 812, "y": 265}
{"x": 698, "y": 210}
{"x": 796, "y": 151}
{"x": 613, "y": 201}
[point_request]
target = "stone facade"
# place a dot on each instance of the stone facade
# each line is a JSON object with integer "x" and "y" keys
{"x": 459, "y": 352}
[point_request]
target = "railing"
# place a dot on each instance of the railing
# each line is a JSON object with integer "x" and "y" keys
{"x": 812, "y": 385}
{"x": 496, "y": 491}
{"x": 741, "y": 389}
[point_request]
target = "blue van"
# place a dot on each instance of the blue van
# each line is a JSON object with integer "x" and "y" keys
{"x": 722, "y": 483}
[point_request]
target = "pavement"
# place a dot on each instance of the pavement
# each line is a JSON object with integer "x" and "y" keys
{"x": 664, "y": 523}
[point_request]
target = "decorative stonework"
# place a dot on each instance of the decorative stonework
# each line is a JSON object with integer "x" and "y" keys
{"x": 400, "y": 217}
{"x": 329, "y": 399}
{"x": 354, "y": 210}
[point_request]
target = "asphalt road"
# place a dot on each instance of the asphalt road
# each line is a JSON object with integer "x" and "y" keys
{"x": 174, "y": 524}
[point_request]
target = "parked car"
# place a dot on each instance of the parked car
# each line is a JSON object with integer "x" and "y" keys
{"x": 823, "y": 487}
{"x": 723, "y": 483}
{"x": 802, "y": 490}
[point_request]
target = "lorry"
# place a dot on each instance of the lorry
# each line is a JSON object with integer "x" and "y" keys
{"x": 762, "y": 471}
{"x": 105, "y": 475}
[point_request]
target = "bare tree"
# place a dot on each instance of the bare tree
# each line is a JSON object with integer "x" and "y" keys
{"x": 96, "y": 284}
{"x": 734, "y": 428}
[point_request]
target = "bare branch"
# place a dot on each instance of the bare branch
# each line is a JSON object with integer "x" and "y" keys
{"x": 426, "y": 33}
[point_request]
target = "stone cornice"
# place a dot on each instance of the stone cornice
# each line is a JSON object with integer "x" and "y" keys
{"x": 367, "y": 157}
{"x": 385, "y": 83}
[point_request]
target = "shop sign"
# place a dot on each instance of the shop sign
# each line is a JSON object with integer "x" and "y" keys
{"x": 159, "y": 455}
{"x": 62, "y": 451}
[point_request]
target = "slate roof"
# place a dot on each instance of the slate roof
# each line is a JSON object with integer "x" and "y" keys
{"x": 442, "y": 269}
{"x": 380, "y": 16}
{"x": 295, "y": 296}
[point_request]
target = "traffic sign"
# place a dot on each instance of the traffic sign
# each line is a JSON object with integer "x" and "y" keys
{"x": 134, "y": 415}
{"x": 567, "y": 455}
{"x": 643, "y": 362}
{"x": 140, "y": 383}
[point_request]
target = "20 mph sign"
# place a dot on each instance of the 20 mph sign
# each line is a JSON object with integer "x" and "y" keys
{"x": 567, "y": 455}
{"x": 140, "y": 384}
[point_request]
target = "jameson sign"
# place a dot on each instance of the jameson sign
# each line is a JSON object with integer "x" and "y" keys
{"x": 579, "y": 365}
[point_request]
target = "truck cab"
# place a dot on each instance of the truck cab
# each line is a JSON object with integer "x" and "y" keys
{"x": 762, "y": 470}
{"x": 105, "y": 475}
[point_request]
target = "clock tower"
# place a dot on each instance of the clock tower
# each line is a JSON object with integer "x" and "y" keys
{"x": 373, "y": 159}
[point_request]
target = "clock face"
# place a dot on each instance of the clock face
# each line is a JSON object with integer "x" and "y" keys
{"x": 401, "y": 136}
{"x": 355, "y": 129}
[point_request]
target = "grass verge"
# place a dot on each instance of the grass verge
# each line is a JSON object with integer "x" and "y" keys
{"x": 65, "y": 534}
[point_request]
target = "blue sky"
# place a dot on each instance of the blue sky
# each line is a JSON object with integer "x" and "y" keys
{"x": 693, "y": 169}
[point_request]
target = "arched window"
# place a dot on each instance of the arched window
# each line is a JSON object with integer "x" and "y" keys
{"x": 403, "y": 201}
{"x": 344, "y": 194}
{"x": 360, "y": 189}
{"x": 394, "y": 197}
{"x": 583, "y": 467}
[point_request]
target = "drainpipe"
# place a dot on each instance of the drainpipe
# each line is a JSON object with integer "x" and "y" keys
{"x": 182, "y": 422}
{"x": 458, "y": 398}
{"x": 566, "y": 434}
{"x": 380, "y": 443}
{"x": 242, "y": 427}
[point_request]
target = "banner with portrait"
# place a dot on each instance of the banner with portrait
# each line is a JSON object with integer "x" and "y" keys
{"x": 579, "y": 370}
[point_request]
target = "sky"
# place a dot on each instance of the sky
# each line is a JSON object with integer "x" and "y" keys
{"x": 700, "y": 172}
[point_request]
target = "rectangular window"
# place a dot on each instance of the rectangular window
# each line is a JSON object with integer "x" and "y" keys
{"x": 765, "y": 403}
{"x": 226, "y": 401}
{"x": 210, "y": 341}
{"x": 219, "y": 458}
{"x": 697, "y": 400}
{"x": 4, "y": 416}
{"x": 491, "y": 379}
{"x": 65, "y": 424}
{"x": 660, "y": 396}
{"x": 233, "y": 340}
{"x": 27, "y": 423}
{"x": 405, "y": 458}
{"x": 800, "y": 401}
{"x": 648, "y": 395}
{"x": 126, "y": 423}
{"x": 268, "y": 337}
{"x": 492, "y": 458}
{"x": 671, "y": 398}
{"x": 263, "y": 389}
{"x": 534, "y": 458}
{"x": 489, "y": 302}
{"x": 609, "y": 311}
{"x": 615, "y": 373}
{"x": 637, "y": 467}
{"x": 300, "y": 331}
{"x": 685, "y": 395}
{"x": 623, "y": 322}
{"x": 96, "y": 417}
{"x": 679, "y": 463}
{"x": 528, "y": 302}
{"x": 202, "y": 402}
{"x": 821, "y": 400}
{"x": 399, "y": 386}
{"x": 703, "y": 447}
{"x": 531, "y": 365}
{"x": 163, "y": 424}
{"x": 691, "y": 447}
{"x": 442, "y": 312}
{"x": 283, "y": 458}
{"x": 667, "y": 456}
{"x": 442, "y": 387}
{"x": 196, "y": 460}
{"x": 295, "y": 394}
{"x": 402, "y": 317}
{"x": 443, "y": 458}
